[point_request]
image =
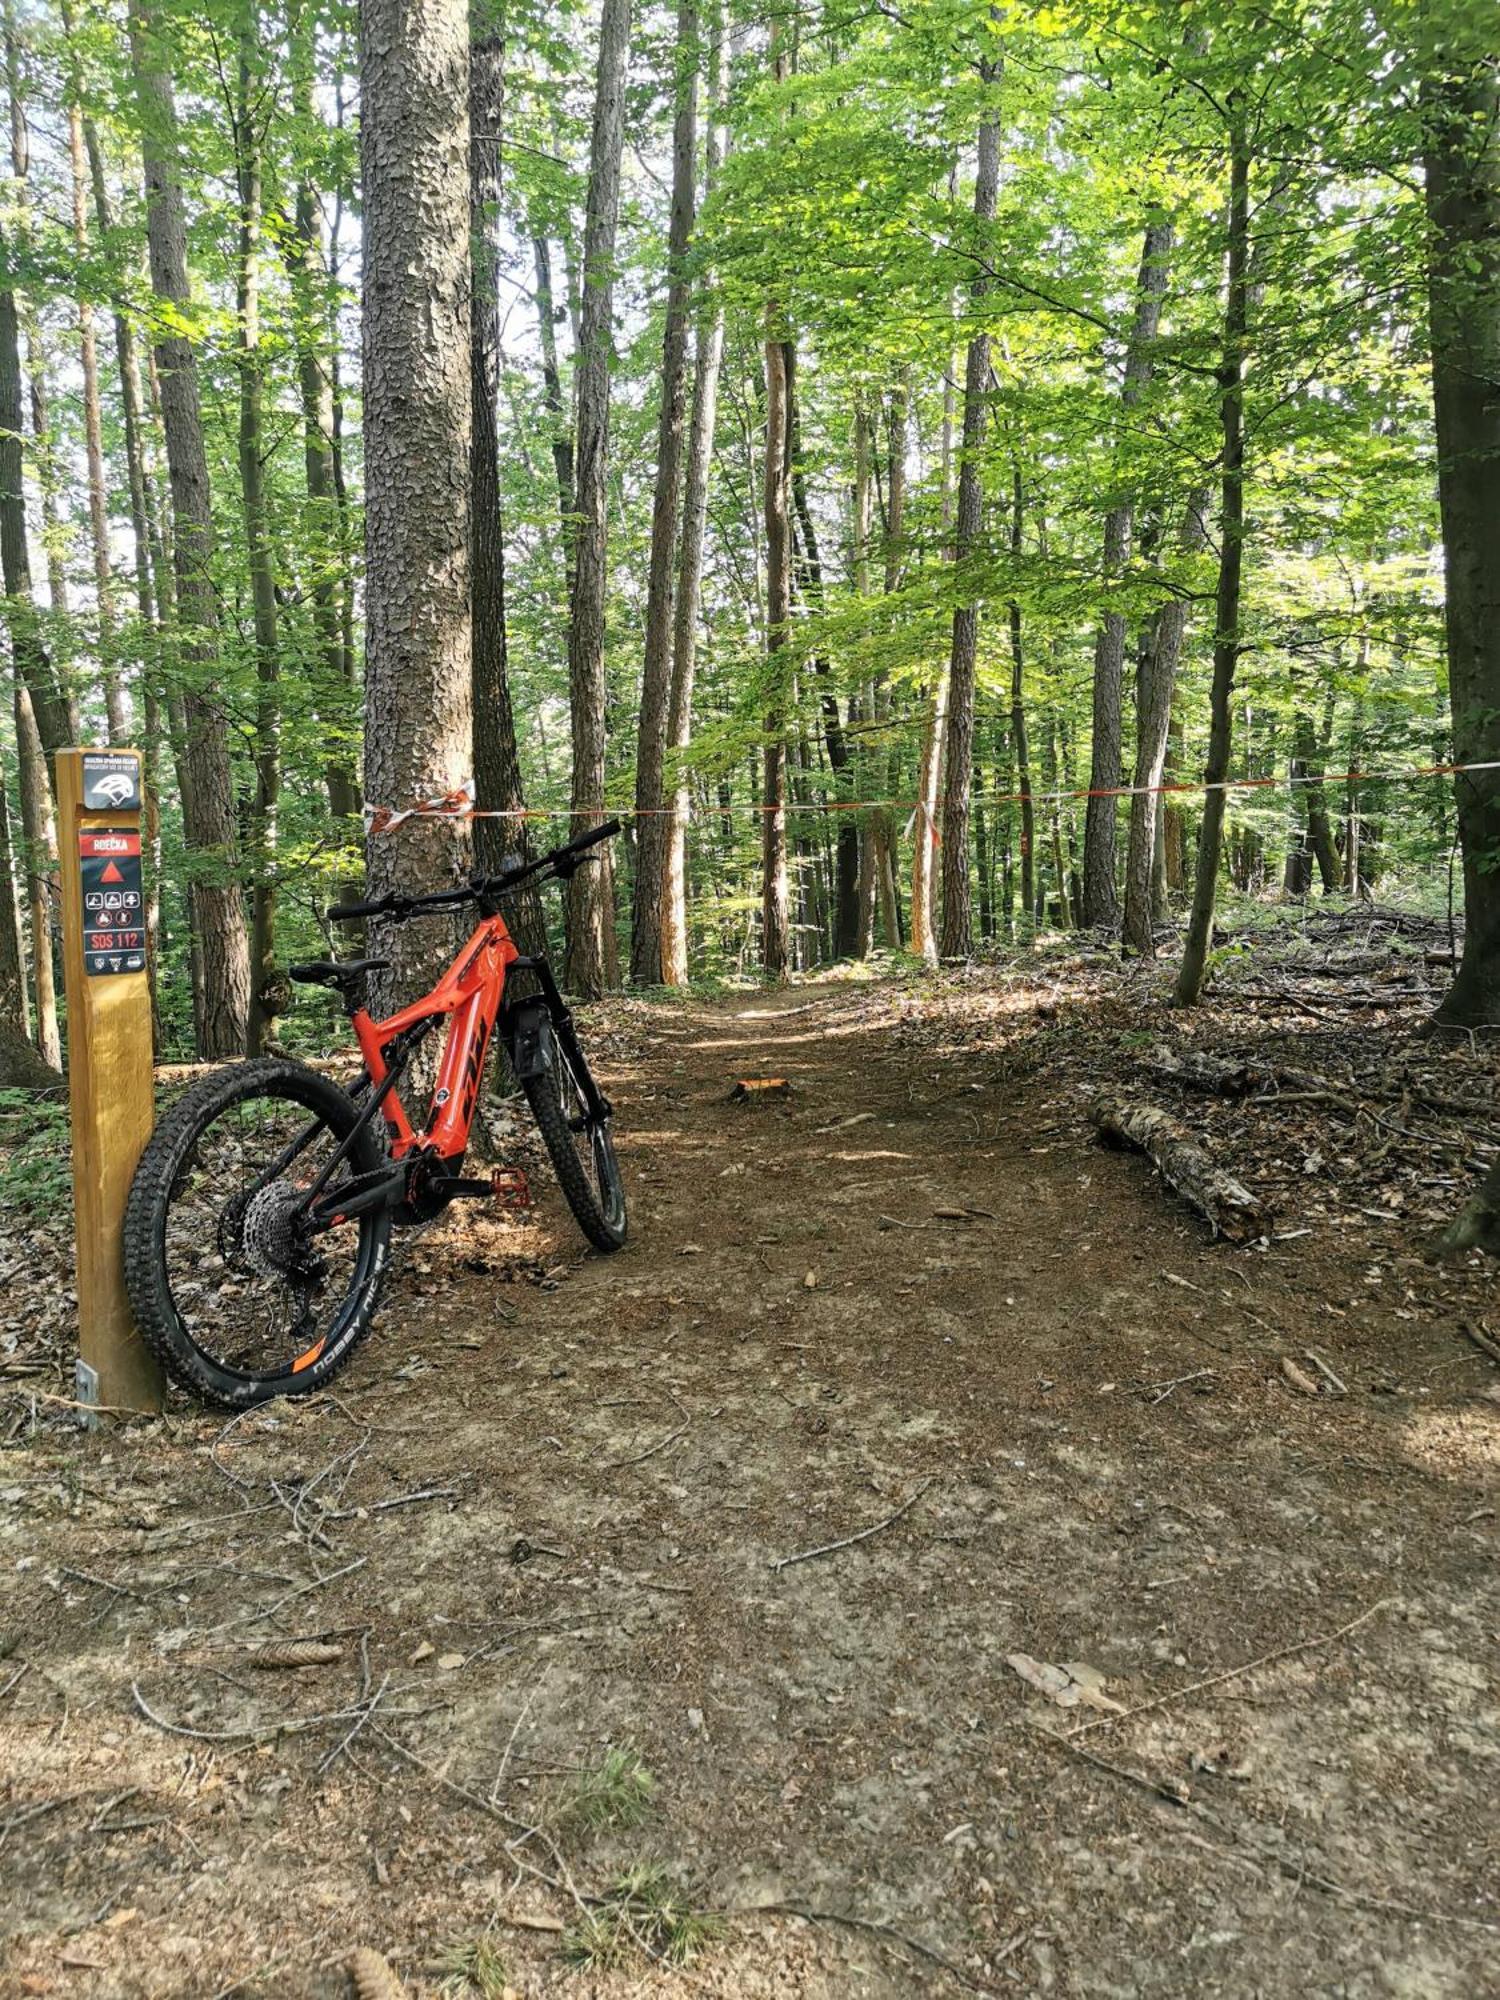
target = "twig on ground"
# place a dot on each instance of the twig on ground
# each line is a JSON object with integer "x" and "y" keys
{"x": 1295, "y": 1867}
{"x": 1164, "y": 1389}
{"x": 1482, "y": 1341}
{"x": 848, "y": 1541}
{"x": 1230, "y": 1673}
{"x": 1335, "y": 1382}
{"x": 929, "y": 1952}
{"x": 618, "y": 1464}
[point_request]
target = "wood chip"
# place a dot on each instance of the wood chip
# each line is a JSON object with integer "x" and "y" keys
{"x": 1300, "y": 1380}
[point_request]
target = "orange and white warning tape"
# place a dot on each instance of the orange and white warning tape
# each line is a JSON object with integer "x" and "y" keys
{"x": 459, "y": 803}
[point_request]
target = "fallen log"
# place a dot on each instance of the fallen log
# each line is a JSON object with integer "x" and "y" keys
{"x": 1228, "y": 1206}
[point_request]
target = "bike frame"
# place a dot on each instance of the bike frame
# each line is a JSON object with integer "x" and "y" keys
{"x": 470, "y": 992}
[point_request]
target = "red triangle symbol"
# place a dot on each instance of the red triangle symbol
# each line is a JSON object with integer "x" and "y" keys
{"x": 111, "y": 873}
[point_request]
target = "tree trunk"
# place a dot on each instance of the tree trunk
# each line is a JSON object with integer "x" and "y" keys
{"x": 1231, "y": 565}
{"x": 336, "y": 694}
{"x": 590, "y": 965}
{"x": 28, "y": 647}
{"x": 1462, "y": 157}
{"x": 414, "y": 156}
{"x": 497, "y": 759}
{"x": 653, "y": 835}
{"x": 1153, "y": 726}
{"x": 547, "y": 316}
{"x": 116, "y": 702}
{"x": 775, "y": 912}
{"x": 268, "y": 992}
{"x": 15, "y": 1010}
{"x": 208, "y": 797}
{"x": 925, "y": 841}
{"x": 958, "y": 753}
{"x": 709, "y": 352}
{"x": 1101, "y": 906}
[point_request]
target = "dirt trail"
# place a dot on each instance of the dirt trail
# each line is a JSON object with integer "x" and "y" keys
{"x": 915, "y": 1290}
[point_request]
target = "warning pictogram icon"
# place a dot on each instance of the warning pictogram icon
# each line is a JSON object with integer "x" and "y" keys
{"x": 112, "y": 873}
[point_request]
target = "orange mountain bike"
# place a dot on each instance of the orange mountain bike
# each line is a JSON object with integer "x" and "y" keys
{"x": 259, "y": 1220}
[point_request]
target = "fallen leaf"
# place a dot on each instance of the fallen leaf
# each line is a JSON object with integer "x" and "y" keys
{"x": 810, "y": 1282}
{"x": 424, "y": 1652}
{"x": 448, "y": 1661}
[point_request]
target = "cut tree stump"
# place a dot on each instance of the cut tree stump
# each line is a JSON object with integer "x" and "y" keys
{"x": 1229, "y": 1207}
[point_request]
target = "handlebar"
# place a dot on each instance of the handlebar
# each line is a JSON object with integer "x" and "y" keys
{"x": 562, "y": 862}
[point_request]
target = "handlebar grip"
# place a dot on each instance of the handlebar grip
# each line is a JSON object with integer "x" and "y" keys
{"x": 353, "y": 913}
{"x": 592, "y": 838}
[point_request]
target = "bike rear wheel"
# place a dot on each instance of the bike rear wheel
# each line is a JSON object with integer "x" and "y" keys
{"x": 235, "y": 1294}
{"x": 578, "y": 1144}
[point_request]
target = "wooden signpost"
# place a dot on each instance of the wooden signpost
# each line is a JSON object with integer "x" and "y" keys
{"x": 109, "y": 1057}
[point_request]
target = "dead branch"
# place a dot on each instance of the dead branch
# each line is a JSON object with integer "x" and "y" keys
{"x": 848, "y": 1541}
{"x": 1230, "y": 1208}
{"x": 1231, "y": 1673}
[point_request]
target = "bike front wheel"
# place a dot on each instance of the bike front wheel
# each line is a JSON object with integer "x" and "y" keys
{"x": 237, "y": 1293}
{"x": 578, "y": 1143}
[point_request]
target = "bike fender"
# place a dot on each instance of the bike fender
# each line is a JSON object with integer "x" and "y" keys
{"x": 531, "y": 1041}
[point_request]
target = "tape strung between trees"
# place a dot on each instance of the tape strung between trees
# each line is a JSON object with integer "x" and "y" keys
{"x": 1231, "y": 1210}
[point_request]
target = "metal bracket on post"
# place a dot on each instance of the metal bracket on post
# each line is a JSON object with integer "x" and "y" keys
{"x": 110, "y": 1086}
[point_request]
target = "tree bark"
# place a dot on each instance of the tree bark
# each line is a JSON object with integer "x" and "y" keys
{"x": 590, "y": 963}
{"x": 268, "y": 992}
{"x": 497, "y": 758}
{"x": 208, "y": 797}
{"x": 1101, "y": 905}
{"x": 775, "y": 908}
{"x": 1229, "y": 1208}
{"x": 1231, "y": 566}
{"x": 1462, "y": 157}
{"x": 336, "y": 694}
{"x": 414, "y": 157}
{"x": 708, "y": 356}
{"x": 653, "y": 836}
{"x": 958, "y": 753}
{"x": 116, "y": 701}
{"x": 1153, "y": 726}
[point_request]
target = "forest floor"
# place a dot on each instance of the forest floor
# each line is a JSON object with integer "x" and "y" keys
{"x": 1159, "y": 1673}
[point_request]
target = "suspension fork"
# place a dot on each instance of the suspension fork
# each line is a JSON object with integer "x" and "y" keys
{"x": 560, "y": 1015}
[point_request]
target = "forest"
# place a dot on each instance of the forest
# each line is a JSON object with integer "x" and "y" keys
{"x": 946, "y": 475}
{"x": 1000, "y": 501}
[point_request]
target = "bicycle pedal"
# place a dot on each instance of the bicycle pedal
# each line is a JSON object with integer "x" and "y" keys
{"x": 511, "y": 1188}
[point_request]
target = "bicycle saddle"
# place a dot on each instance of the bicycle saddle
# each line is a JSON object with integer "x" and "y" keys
{"x": 343, "y": 974}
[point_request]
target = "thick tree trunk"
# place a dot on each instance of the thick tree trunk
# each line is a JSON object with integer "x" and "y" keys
{"x": 497, "y": 760}
{"x": 958, "y": 753}
{"x": 336, "y": 694}
{"x": 208, "y": 797}
{"x": 1153, "y": 726}
{"x": 1462, "y": 118}
{"x": 414, "y": 156}
{"x": 1231, "y": 566}
{"x": 1101, "y": 904}
{"x": 268, "y": 992}
{"x": 590, "y": 965}
{"x": 653, "y": 834}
